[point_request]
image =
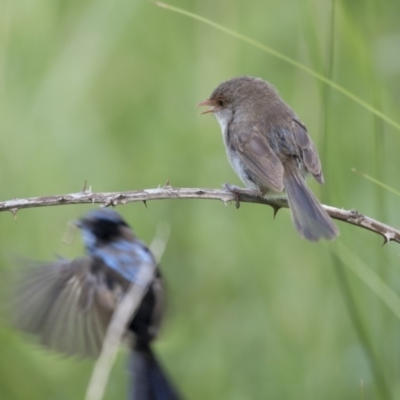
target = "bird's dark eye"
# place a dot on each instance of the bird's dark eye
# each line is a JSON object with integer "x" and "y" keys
{"x": 221, "y": 102}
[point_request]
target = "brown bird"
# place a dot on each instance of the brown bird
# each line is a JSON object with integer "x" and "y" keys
{"x": 270, "y": 150}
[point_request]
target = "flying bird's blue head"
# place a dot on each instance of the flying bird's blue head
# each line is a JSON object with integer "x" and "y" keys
{"x": 108, "y": 237}
{"x": 102, "y": 227}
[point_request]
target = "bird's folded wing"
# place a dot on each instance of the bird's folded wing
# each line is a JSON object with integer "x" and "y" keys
{"x": 258, "y": 157}
{"x": 310, "y": 154}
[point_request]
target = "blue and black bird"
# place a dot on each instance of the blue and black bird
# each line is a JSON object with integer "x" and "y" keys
{"x": 68, "y": 304}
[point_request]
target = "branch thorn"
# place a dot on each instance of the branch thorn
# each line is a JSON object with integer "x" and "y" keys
{"x": 14, "y": 211}
{"x": 387, "y": 237}
{"x": 84, "y": 186}
{"x": 276, "y": 209}
{"x": 167, "y": 185}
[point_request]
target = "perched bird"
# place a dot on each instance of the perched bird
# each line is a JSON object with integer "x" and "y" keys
{"x": 69, "y": 304}
{"x": 270, "y": 150}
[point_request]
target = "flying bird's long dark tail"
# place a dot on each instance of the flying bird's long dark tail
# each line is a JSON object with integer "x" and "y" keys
{"x": 310, "y": 219}
{"x": 149, "y": 381}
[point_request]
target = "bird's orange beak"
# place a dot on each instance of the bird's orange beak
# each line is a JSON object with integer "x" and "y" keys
{"x": 207, "y": 103}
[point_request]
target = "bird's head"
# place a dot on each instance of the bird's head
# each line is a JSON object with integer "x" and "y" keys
{"x": 103, "y": 226}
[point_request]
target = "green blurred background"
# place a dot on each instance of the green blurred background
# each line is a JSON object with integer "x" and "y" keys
{"x": 105, "y": 91}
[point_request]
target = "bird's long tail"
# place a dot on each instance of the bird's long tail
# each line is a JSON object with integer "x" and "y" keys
{"x": 309, "y": 218}
{"x": 149, "y": 381}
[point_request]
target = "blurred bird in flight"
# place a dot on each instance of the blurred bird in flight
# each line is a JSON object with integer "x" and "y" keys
{"x": 68, "y": 304}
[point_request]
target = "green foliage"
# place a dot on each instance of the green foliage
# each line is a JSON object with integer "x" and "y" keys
{"x": 105, "y": 91}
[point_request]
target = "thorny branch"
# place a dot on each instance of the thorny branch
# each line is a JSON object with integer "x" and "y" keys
{"x": 168, "y": 192}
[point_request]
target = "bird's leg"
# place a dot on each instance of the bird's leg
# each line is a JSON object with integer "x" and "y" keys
{"x": 237, "y": 191}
